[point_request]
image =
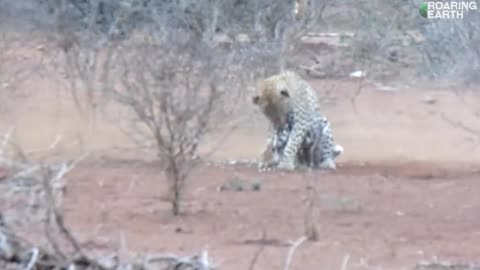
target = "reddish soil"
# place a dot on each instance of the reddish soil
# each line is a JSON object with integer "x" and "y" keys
{"x": 406, "y": 188}
{"x": 381, "y": 216}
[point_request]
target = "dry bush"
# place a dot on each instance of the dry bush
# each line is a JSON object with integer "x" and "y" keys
{"x": 391, "y": 41}
{"x": 179, "y": 73}
{"x": 451, "y": 51}
{"x": 3, "y": 77}
{"x": 401, "y": 40}
{"x": 176, "y": 92}
{"x": 10, "y": 74}
{"x": 32, "y": 189}
{"x": 62, "y": 250}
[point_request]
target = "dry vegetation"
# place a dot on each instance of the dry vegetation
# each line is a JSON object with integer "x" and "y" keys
{"x": 176, "y": 70}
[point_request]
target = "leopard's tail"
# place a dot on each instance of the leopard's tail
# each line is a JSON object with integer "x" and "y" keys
{"x": 337, "y": 150}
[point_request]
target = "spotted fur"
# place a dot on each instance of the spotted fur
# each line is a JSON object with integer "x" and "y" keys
{"x": 317, "y": 146}
{"x": 287, "y": 95}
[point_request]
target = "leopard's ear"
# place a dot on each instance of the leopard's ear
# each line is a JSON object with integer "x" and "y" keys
{"x": 255, "y": 100}
{"x": 285, "y": 93}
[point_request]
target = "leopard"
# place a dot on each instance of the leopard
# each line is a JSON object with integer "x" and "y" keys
{"x": 285, "y": 95}
{"x": 317, "y": 145}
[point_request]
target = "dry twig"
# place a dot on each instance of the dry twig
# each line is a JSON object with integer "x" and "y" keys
{"x": 465, "y": 128}
{"x": 257, "y": 254}
{"x": 292, "y": 250}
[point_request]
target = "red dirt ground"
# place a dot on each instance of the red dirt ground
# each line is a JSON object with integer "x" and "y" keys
{"x": 406, "y": 188}
{"x": 381, "y": 216}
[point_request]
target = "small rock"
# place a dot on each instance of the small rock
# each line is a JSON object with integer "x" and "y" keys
{"x": 242, "y": 38}
{"x": 222, "y": 40}
{"x": 357, "y": 74}
{"x": 429, "y": 100}
{"x": 109, "y": 262}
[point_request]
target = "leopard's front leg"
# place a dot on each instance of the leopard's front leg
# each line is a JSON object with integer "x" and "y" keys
{"x": 289, "y": 157}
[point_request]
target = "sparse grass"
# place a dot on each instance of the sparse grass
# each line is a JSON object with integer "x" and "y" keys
{"x": 257, "y": 185}
{"x": 239, "y": 184}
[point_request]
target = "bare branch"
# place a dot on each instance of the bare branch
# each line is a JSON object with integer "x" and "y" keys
{"x": 292, "y": 250}
{"x": 172, "y": 262}
{"x": 260, "y": 250}
{"x": 460, "y": 125}
{"x": 33, "y": 259}
{"x": 345, "y": 262}
{"x": 465, "y": 128}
